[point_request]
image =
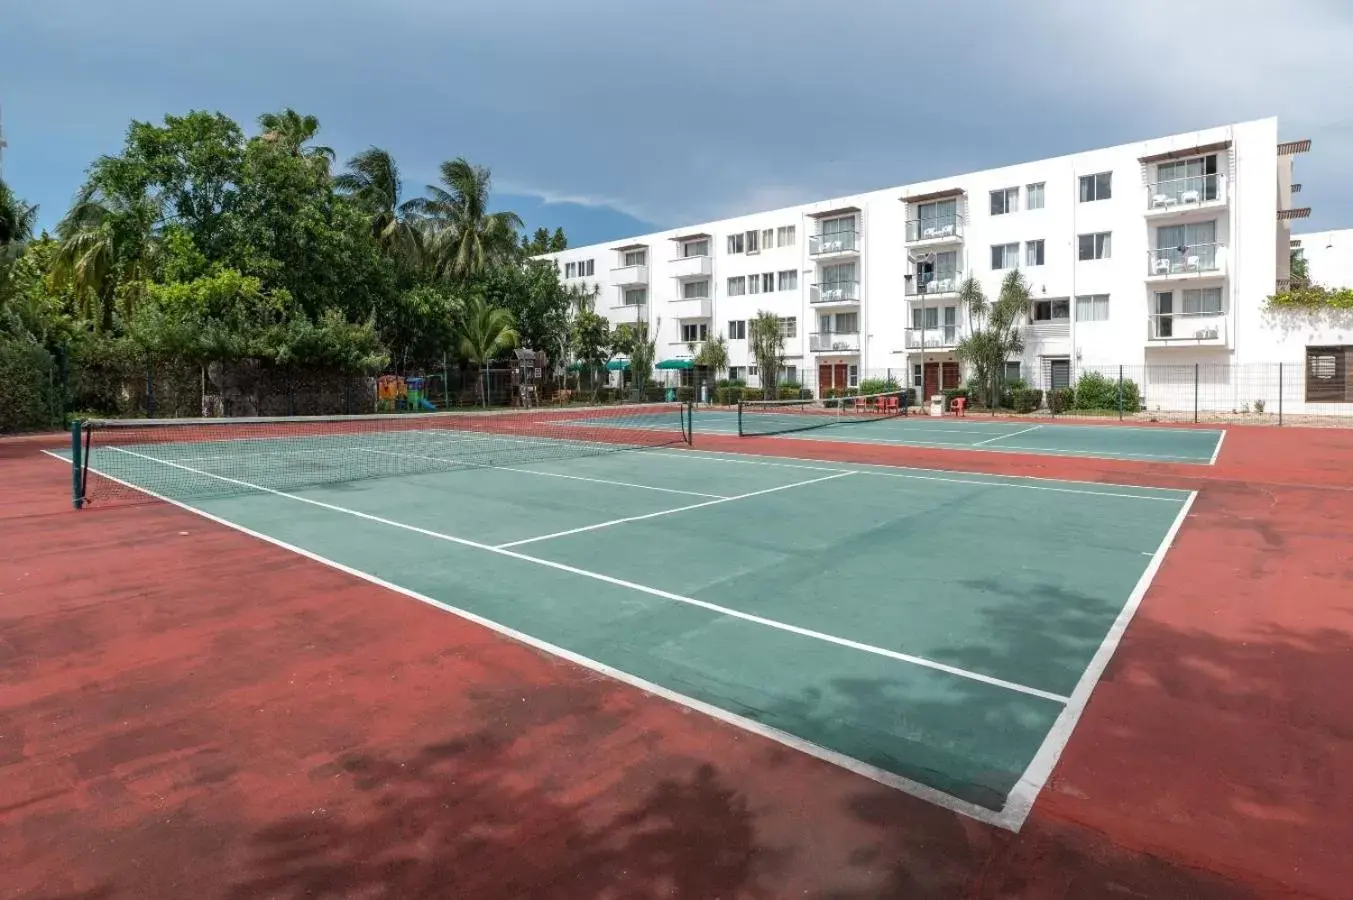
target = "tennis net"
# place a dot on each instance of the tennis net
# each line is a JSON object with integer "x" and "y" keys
{"x": 765, "y": 417}
{"x": 125, "y": 459}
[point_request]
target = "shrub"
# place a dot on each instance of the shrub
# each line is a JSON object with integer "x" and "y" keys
{"x": 728, "y": 395}
{"x": 952, "y": 393}
{"x": 789, "y": 391}
{"x": 1061, "y": 399}
{"x": 1025, "y": 400}
{"x": 1259, "y": 407}
{"x": 1096, "y": 391}
{"x": 654, "y": 393}
{"x": 878, "y": 386}
{"x": 1009, "y": 390}
{"x": 28, "y": 398}
{"x": 686, "y": 393}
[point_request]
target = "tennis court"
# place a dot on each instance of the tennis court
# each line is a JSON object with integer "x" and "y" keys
{"x": 937, "y": 632}
{"x": 1127, "y": 442}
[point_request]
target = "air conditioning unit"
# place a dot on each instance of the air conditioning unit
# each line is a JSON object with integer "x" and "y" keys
{"x": 1206, "y": 334}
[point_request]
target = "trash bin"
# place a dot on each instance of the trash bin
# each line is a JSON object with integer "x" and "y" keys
{"x": 937, "y": 404}
{"x": 671, "y": 394}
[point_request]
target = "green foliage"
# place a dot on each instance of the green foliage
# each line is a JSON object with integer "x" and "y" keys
{"x": 1025, "y": 399}
{"x": 539, "y": 304}
{"x": 878, "y": 385}
{"x": 993, "y": 331}
{"x": 542, "y": 242}
{"x": 418, "y": 326}
{"x": 1312, "y": 298}
{"x": 1096, "y": 391}
{"x": 633, "y": 339}
{"x": 686, "y": 393}
{"x": 767, "y": 344}
{"x": 1061, "y": 399}
{"x": 713, "y": 355}
{"x": 28, "y": 400}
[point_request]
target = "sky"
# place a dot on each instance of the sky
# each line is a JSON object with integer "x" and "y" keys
{"x": 617, "y": 117}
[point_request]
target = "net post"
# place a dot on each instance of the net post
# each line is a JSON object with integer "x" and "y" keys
{"x": 740, "y": 432}
{"x": 1280, "y": 393}
{"x": 1120, "y": 393}
{"x": 77, "y": 464}
{"x": 690, "y": 423}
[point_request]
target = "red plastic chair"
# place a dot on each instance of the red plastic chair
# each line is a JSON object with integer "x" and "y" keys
{"x": 958, "y": 404}
{"x": 889, "y": 406}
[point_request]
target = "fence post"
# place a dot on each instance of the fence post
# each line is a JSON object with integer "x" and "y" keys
{"x": 1280, "y": 393}
{"x": 77, "y": 466}
{"x": 1195, "y": 393}
{"x": 150, "y": 387}
{"x": 1120, "y": 393}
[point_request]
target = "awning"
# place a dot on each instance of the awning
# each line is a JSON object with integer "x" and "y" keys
{"x": 618, "y": 365}
{"x": 675, "y": 364}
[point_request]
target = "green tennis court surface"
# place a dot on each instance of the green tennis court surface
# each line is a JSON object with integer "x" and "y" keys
{"x": 938, "y": 632}
{"x": 1145, "y": 443}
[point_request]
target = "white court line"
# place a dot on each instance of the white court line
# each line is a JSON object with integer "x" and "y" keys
{"x": 668, "y": 512}
{"x": 1216, "y": 451}
{"x": 631, "y": 585}
{"x": 628, "y": 484}
{"x": 711, "y": 456}
{"x": 1011, "y": 434}
{"x": 892, "y": 780}
{"x": 1021, "y": 798}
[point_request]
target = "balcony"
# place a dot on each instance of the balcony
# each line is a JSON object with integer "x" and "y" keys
{"x": 945, "y": 285}
{"x": 630, "y": 276}
{"x": 1194, "y": 261}
{"x": 684, "y": 267}
{"x": 1203, "y": 329}
{"x": 837, "y": 243}
{"x": 933, "y": 232}
{"x": 844, "y": 293}
{"x": 691, "y": 307}
{"x": 941, "y": 337}
{"x": 834, "y": 342}
{"x": 1179, "y": 195}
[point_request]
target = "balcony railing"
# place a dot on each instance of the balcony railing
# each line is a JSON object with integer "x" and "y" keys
{"x": 834, "y": 342}
{"x": 835, "y": 292}
{"x": 932, "y": 285}
{"x": 936, "y": 338}
{"x": 1187, "y": 328}
{"x": 691, "y": 267}
{"x": 690, "y": 307}
{"x": 835, "y": 242}
{"x": 1192, "y": 259}
{"x": 626, "y": 276}
{"x": 939, "y": 228}
{"x": 1184, "y": 193}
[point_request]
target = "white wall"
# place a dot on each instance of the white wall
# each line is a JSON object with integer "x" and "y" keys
{"x": 1329, "y": 256}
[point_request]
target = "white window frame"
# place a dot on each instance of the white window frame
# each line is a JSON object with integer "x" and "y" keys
{"x": 1038, "y": 190}
{"x": 689, "y": 248}
{"x": 1100, "y": 187}
{"x": 571, "y": 270}
{"x": 753, "y": 240}
{"x": 1092, "y": 308}
{"x": 1009, "y": 201}
{"x": 785, "y": 235}
{"x": 789, "y": 327}
{"x": 753, "y": 283}
{"x": 634, "y": 258}
{"x": 737, "y": 286}
{"x": 1052, "y": 303}
{"x": 1008, "y": 252}
{"x": 1032, "y": 258}
{"x": 625, "y": 297}
{"x": 1101, "y": 246}
{"x": 735, "y": 242}
{"x": 788, "y": 280}
{"x": 687, "y": 289}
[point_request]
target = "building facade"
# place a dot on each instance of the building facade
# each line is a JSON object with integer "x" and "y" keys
{"x": 1158, "y": 253}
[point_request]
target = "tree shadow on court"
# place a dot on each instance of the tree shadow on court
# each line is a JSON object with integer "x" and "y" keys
{"x": 474, "y": 817}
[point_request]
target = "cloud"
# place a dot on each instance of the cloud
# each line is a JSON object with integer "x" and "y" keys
{"x": 554, "y": 198}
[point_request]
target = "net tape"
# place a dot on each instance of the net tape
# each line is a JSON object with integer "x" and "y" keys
{"x": 769, "y": 417}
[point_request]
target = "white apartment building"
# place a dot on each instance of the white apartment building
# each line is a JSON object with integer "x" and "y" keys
{"x": 1154, "y": 253}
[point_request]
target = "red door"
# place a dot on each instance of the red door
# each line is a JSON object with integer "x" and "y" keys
{"x": 831, "y": 377}
{"x": 940, "y": 377}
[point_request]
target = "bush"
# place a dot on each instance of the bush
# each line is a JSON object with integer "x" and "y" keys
{"x": 28, "y": 397}
{"x": 879, "y": 386}
{"x": 686, "y": 393}
{"x": 1096, "y": 391}
{"x": 1025, "y": 400}
{"x": 952, "y": 393}
{"x": 1009, "y": 390}
{"x": 654, "y": 393}
{"x": 728, "y": 394}
{"x": 1061, "y": 399}
{"x": 791, "y": 391}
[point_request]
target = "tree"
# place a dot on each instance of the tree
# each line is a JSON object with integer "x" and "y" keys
{"x": 542, "y": 242}
{"x": 291, "y": 131}
{"x": 17, "y": 219}
{"x": 713, "y": 355}
{"x": 1300, "y": 275}
{"x": 539, "y": 303}
{"x": 993, "y": 331}
{"x": 463, "y": 238}
{"x": 373, "y": 183}
{"x": 591, "y": 339}
{"x": 483, "y": 334}
{"x": 767, "y": 344}
{"x": 107, "y": 242}
{"x": 634, "y": 340}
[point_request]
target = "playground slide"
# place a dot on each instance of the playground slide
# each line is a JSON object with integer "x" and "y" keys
{"x": 424, "y": 403}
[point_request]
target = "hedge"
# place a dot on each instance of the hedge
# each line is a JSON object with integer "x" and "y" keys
{"x": 29, "y": 400}
{"x": 1096, "y": 391}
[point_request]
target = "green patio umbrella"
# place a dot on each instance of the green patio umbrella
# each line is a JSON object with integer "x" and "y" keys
{"x": 676, "y": 364}
{"x": 618, "y": 365}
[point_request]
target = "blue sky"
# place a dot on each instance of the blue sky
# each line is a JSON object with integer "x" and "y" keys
{"x": 611, "y": 117}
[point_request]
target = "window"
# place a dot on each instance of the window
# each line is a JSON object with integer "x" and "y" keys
{"x": 1327, "y": 374}
{"x": 1033, "y": 197}
{"x": 789, "y": 328}
{"x": 1096, "y": 187}
{"x": 852, "y": 375}
{"x": 1092, "y": 308}
{"x": 737, "y": 329}
{"x": 753, "y": 242}
{"x": 753, "y": 284}
{"x": 751, "y": 370}
{"x": 694, "y": 331}
{"x": 1188, "y": 180}
{"x": 784, "y": 235}
{"x": 1203, "y": 301}
{"x": 1006, "y": 200}
{"x": 928, "y": 318}
{"x": 695, "y": 248}
{"x": 767, "y": 238}
{"x": 791, "y": 375}
{"x": 636, "y": 258}
{"x": 1033, "y": 252}
{"x": 767, "y": 282}
{"x": 1095, "y": 246}
{"x": 737, "y": 373}
{"x": 842, "y": 323}
{"x": 737, "y": 286}
{"x": 789, "y": 280}
{"x": 1052, "y": 310}
{"x": 571, "y": 270}
{"x": 1059, "y": 373}
{"x": 735, "y": 243}
{"x": 586, "y": 267}
{"x": 916, "y": 376}
{"x": 1005, "y": 256}
{"x": 636, "y": 296}
{"x": 1011, "y": 371}
{"x": 695, "y": 290}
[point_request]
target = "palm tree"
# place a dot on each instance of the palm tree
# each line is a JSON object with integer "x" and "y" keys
{"x": 105, "y": 239}
{"x": 291, "y": 131}
{"x": 463, "y": 237}
{"x": 713, "y": 355}
{"x": 993, "y": 330}
{"x": 766, "y": 339}
{"x": 17, "y": 219}
{"x": 374, "y": 183}
{"x": 483, "y": 334}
